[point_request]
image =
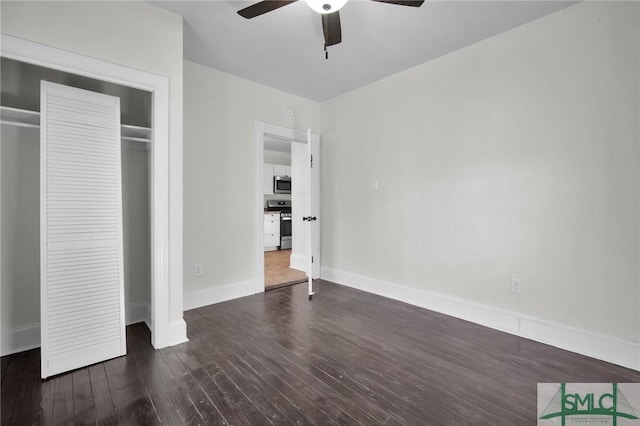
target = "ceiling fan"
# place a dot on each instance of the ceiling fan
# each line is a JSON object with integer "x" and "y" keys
{"x": 327, "y": 8}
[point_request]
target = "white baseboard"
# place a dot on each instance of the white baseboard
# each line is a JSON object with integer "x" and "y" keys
{"x": 298, "y": 262}
{"x": 138, "y": 312}
{"x": 27, "y": 337}
{"x": 209, "y": 296}
{"x": 612, "y": 349}
{"x": 177, "y": 332}
{"x": 20, "y": 339}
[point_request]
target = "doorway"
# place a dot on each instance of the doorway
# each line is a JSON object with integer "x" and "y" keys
{"x": 282, "y": 153}
{"x": 278, "y": 189}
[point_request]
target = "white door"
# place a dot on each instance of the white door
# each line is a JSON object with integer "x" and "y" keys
{"x": 305, "y": 204}
{"x": 312, "y": 210}
{"x": 299, "y": 246}
{"x": 82, "y": 281}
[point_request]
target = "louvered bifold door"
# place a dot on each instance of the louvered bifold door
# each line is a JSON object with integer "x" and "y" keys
{"x": 82, "y": 285}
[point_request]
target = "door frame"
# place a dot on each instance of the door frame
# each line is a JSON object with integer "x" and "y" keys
{"x": 260, "y": 130}
{"x": 164, "y": 331}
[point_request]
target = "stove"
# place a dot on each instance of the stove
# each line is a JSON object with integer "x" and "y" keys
{"x": 284, "y": 207}
{"x": 279, "y": 205}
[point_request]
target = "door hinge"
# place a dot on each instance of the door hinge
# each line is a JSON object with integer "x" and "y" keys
{"x": 311, "y": 259}
{"x": 312, "y": 161}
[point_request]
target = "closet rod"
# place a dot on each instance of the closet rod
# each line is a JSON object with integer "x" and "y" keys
{"x": 19, "y": 124}
{"x": 25, "y": 118}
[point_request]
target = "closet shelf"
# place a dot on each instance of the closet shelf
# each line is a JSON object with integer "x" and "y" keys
{"x": 25, "y": 118}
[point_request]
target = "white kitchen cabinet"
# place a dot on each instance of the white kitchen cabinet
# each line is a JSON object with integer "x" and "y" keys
{"x": 281, "y": 170}
{"x": 271, "y": 224}
{"x": 271, "y": 241}
{"x": 271, "y": 231}
{"x": 267, "y": 178}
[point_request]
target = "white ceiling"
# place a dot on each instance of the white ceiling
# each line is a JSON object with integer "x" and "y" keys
{"x": 283, "y": 49}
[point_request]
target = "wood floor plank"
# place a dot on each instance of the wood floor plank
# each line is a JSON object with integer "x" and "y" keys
{"x": 335, "y": 380}
{"x": 105, "y": 411}
{"x": 202, "y": 402}
{"x": 63, "y": 400}
{"x": 359, "y": 399}
{"x": 278, "y": 389}
{"x": 43, "y": 414}
{"x": 168, "y": 402}
{"x": 24, "y": 381}
{"x": 255, "y": 388}
{"x": 310, "y": 406}
{"x": 347, "y": 357}
{"x": 128, "y": 393}
{"x": 225, "y": 399}
{"x": 359, "y": 390}
{"x": 423, "y": 376}
{"x": 10, "y": 387}
{"x": 179, "y": 393}
{"x": 314, "y": 390}
{"x": 355, "y": 404}
{"x": 255, "y": 413}
{"x": 84, "y": 410}
{"x": 417, "y": 372}
{"x": 165, "y": 393}
{"x": 472, "y": 366}
{"x": 4, "y": 365}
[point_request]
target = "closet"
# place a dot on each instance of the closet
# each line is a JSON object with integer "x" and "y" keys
{"x": 20, "y": 196}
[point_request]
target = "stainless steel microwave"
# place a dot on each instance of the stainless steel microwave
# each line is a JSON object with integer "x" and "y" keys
{"x": 282, "y": 185}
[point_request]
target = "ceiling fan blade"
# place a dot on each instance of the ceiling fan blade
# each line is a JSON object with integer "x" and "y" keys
{"x": 413, "y": 3}
{"x": 263, "y": 7}
{"x": 331, "y": 28}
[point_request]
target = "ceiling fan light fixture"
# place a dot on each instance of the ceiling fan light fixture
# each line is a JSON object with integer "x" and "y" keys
{"x": 326, "y": 6}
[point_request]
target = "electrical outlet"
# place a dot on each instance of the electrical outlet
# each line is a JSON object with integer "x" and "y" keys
{"x": 197, "y": 270}
{"x": 516, "y": 285}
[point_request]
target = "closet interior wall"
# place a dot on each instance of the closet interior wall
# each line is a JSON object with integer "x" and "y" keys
{"x": 20, "y": 192}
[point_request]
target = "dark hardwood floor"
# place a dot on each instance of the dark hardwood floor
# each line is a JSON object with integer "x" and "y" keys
{"x": 347, "y": 357}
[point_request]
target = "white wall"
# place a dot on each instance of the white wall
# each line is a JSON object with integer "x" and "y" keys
{"x": 516, "y": 157}
{"x": 134, "y": 34}
{"x": 20, "y": 191}
{"x": 219, "y": 115}
{"x": 136, "y": 226}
